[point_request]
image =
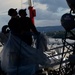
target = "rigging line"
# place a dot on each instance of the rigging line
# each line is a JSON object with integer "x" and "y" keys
{"x": 21, "y": 4}
{"x": 33, "y": 2}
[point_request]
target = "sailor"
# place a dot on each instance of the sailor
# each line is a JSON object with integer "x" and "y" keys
{"x": 5, "y": 29}
{"x": 26, "y": 27}
{"x": 13, "y": 22}
{"x": 4, "y": 34}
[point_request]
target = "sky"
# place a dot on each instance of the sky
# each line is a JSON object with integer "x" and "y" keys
{"x": 48, "y": 12}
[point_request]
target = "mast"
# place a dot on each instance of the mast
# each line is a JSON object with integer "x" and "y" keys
{"x": 32, "y": 11}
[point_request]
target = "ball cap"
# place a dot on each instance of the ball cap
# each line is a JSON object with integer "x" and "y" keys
{"x": 21, "y": 11}
{"x": 11, "y": 11}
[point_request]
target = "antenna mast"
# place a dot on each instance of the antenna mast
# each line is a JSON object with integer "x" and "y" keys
{"x": 32, "y": 11}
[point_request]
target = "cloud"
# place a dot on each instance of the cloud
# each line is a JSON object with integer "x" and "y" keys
{"x": 48, "y": 12}
{"x": 52, "y": 12}
{"x": 40, "y": 6}
{"x": 53, "y": 5}
{"x": 41, "y": 23}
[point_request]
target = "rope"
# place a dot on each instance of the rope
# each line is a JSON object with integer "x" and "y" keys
{"x": 62, "y": 53}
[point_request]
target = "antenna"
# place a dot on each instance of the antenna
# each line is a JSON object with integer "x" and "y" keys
{"x": 30, "y": 2}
